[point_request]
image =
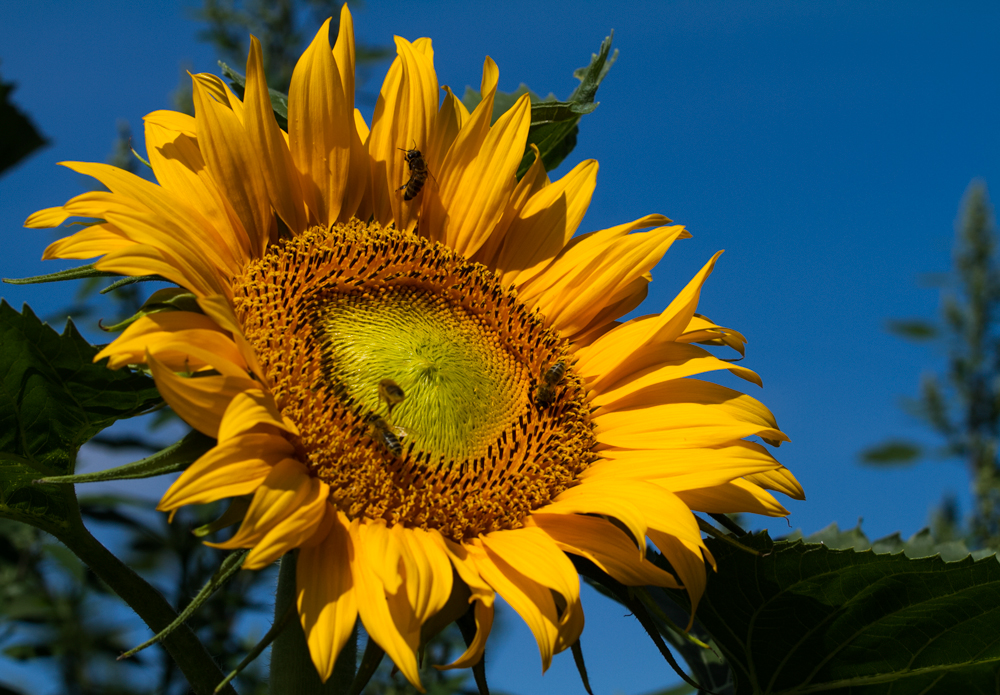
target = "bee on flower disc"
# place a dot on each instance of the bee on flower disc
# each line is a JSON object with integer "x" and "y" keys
{"x": 390, "y": 392}
{"x": 387, "y": 434}
{"x": 546, "y": 392}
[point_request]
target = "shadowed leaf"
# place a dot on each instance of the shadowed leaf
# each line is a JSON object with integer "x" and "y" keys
{"x": 891, "y": 453}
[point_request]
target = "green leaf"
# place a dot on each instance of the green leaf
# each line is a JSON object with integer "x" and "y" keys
{"x": 554, "y": 123}
{"x": 891, "y": 453}
{"x": 18, "y": 136}
{"x": 53, "y": 398}
{"x": 913, "y": 329}
{"x": 175, "y": 457}
{"x": 279, "y": 101}
{"x": 166, "y": 299}
{"x": 805, "y": 618}
{"x": 81, "y": 273}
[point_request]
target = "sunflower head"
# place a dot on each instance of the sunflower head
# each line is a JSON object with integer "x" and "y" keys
{"x": 414, "y": 369}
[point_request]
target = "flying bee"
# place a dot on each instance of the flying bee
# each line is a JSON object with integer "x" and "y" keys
{"x": 418, "y": 173}
{"x": 546, "y": 392}
{"x": 390, "y": 392}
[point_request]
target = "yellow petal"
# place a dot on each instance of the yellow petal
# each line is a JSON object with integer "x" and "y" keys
{"x": 320, "y": 121}
{"x": 604, "y": 544}
{"x": 383, "y": 552}
{"x": 326, "y": 598}
{"x": 92, "y": 241}
{"x": 475, "y": 186}
{"x": 672, "y": 362}
{"x": 220, "y": 309}
{"x": 531, "y": 600}
{"x": 428, "y": 572}
{"x": 635, "y": 345}
{"x": 546, "y": 224}
{"x": 49, "y": 217}
{"x": 201, "y": 270}
{"x": 374, "y": 608}
{"x": 199, "y": 401}
{"x": 234, "y": 166}
{"x": 233, "y": 468}
{"x": 409, "y": 104}
{"x": 472, "y": 656}
{"x": 248, "y": 410}
{"x": 533, "y": 553}
{"x": 781, "y": 480}
{"x": 685, "y": 556}
{"x": 701, "y": 330}
{"x": 154, "y": 331}
{"x": 733, "y": 497}
{"x": 286, "y": 509}
{"x": 571, "y": 295}
{"x": 280, "y": 174}
{"x": 533, "y": 181}
{"x": 180, "y": 168}
{"x": 685, "y": 469}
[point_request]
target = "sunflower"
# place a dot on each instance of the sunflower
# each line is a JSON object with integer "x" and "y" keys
{"x": 411, "y": 365}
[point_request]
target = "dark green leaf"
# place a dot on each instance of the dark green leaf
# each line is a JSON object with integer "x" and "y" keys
{"x": 18, "y": 136}
{"x": 125, "y": 282}
{"x": 891, "y": 453}
{"x": 554, "y": 124}
{"x": 913, "y": 329}
{"x": 279, "y": 101}
{"x": 175, "y": 457}
{"x": 53, "y": 398}
{"x": 804, "y": 618}
{"x": 84, "y": 271}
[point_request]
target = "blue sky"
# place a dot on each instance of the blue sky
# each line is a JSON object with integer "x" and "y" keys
{"x": 826, "y": 146}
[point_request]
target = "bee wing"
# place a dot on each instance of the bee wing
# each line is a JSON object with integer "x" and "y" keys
{"x": 403, "y": 432}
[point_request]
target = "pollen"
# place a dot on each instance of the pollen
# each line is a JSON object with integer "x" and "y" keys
{"x": 336, "y": 314}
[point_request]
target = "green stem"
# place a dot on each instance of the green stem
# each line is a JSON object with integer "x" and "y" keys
{"x": 292, "y": 669}
{"x": 187, "y": 651}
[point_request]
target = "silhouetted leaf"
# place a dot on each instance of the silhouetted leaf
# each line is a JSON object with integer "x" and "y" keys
{"x": 18, "y": 136}
{"x": 53, "y": 398}
{"x": 554, "y": 123}
{"x": 891, "y": 453}
{"x": 913, "y": 329}
{"x": 806, "y": 618}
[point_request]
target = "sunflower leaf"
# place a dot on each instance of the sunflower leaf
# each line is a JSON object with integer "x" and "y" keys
{"x": 279, "y": 101}
{"x": 18, "y": 136}
{"x": 175, "y": 457}
{"x": 803, "y": 617}
{"x": 554, "y": 123}
{"x": 83, "y": 272}
{"x": 53, "y": 398}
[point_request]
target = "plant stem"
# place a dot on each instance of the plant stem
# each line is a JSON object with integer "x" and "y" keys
{"x": 292, "y": 669}
{"x": 187, "y": 651}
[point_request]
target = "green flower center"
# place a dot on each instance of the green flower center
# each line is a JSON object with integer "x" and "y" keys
{"x": 460, "y": 388}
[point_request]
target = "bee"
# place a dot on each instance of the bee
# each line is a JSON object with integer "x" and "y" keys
{"x": 390, "y": 392}
{"x": 385, "y": 433}
{"x": 418, "y": 173}
{"x": 546, "y": 392}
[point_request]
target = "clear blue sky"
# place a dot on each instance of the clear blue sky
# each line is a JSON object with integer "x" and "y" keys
{"x": 825, "y": 146}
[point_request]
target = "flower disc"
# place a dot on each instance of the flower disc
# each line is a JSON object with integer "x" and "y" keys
{"x": 470, "y": 449}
